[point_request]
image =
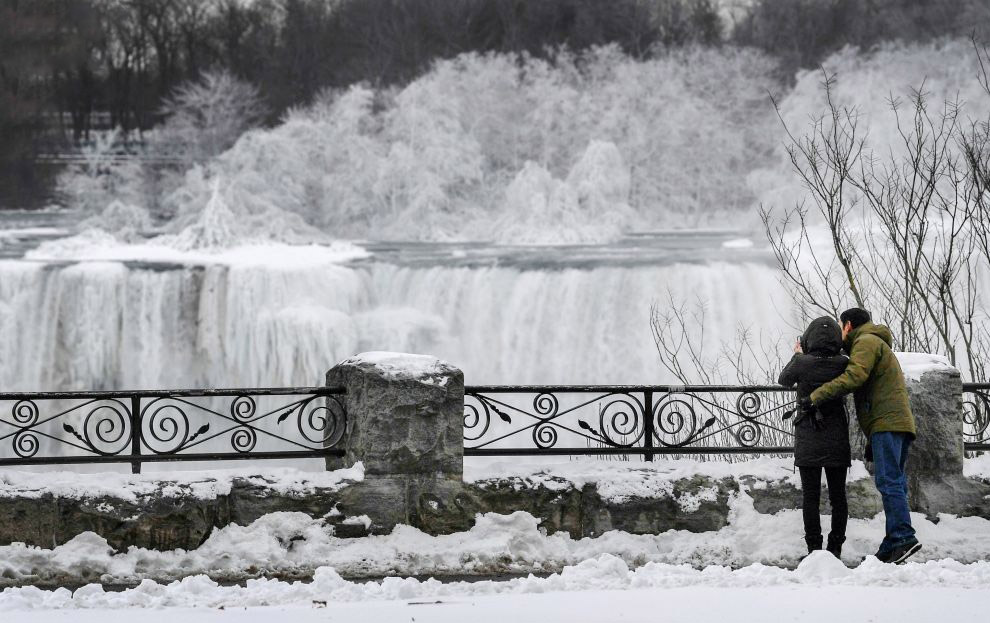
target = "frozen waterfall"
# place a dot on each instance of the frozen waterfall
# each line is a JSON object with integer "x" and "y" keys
{"x": 94, "y": 325}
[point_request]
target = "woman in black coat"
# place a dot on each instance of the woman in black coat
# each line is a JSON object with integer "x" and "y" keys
{"x": 821, "y": 438}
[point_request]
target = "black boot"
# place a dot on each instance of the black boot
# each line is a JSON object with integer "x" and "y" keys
{"x": 835, "y": 545}
{"x": 814, "y": 544}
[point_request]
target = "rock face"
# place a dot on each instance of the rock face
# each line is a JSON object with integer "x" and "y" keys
{"x": 862, "y": 496}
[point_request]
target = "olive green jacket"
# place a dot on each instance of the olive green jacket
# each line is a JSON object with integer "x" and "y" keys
{"x": 875, "y": 376}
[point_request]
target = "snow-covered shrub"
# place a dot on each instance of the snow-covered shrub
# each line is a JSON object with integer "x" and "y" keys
{"x": 101, "y": 178}
{"x": 125, "y": 221}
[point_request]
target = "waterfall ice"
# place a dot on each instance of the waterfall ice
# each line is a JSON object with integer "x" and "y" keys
{"x": 96, "y": 325}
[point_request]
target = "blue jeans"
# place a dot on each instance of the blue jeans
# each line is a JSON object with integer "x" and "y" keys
{"x": 890, "y": 453}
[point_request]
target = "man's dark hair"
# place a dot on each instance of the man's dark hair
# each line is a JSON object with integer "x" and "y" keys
{"x": 856, "y": 316}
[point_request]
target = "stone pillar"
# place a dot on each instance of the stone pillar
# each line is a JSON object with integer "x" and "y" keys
{"x": 404, "y": 415}
{"x": 935, "y": 464}
{"x": 405, "y": 423}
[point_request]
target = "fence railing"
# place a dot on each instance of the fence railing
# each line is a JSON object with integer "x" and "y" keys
{"x": 170, "y": 425}
{"x": 626, "y": 420}
{"x": 976, "y": 416}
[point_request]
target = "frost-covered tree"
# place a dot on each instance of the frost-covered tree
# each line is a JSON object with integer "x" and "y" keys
{"x": 205, "y": 117}
{"x": 436, "y": 159}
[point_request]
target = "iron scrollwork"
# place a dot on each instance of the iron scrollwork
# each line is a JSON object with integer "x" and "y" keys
{"x": 625, "y": 420}
{"x": 976, "y": 416}
{"x": 171, "y": 425}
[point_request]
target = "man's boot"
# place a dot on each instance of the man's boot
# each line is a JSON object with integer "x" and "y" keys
{"x": 835, "y": 545}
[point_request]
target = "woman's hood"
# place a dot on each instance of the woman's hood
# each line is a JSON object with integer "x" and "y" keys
{"x": 823, "y": 337}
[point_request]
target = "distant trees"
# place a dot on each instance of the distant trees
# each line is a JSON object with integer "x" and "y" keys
{"x": 128, "y": 55}
{"x": 801, "y": 33}
{"x": 39, "y": 42}
{"x": 125, "y": 57}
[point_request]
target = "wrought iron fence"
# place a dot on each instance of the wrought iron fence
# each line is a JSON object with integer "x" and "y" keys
{"x": 170, "y": 425}
{"x": 976, "y": 416}
{"x": 627, "y": 420}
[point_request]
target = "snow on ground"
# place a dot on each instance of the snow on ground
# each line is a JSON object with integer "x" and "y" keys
{"x": 198, "y": 484}
{"x": 743, "y": 571}
{"x": 978, "y": 466}
{"x": 606, "y": 582}
{"x": 295, "y": 544}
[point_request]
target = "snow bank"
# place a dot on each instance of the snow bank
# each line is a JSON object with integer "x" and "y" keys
{"x": 206, "y": 485}
{"x": 605, "y": 572}
{"x": 296, "y": 544}
{"x": 915, "y": 365}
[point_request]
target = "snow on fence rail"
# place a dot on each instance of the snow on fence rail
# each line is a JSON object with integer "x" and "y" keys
{"x": 46, "y": 428}
{"x": 627, "y": 419}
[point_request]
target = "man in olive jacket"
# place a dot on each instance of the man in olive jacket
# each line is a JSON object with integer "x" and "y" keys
{"x": 874, "y": 375}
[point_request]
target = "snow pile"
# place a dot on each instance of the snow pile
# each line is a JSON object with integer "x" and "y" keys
{"x": 206, "y": 485}
{"x": 295, "y": 544}
{"x": 604, "y": 572}
{"x": 915, "y": 365}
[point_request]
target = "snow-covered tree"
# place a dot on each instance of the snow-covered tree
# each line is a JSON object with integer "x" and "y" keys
{"x": 205, "y": 117}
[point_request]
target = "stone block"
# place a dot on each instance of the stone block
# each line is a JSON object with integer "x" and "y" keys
{"x": 404, "y": 415}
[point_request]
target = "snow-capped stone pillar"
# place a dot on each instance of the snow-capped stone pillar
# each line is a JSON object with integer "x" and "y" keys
{"x": 404, "y": 415}
{"x": 405, "y": 422}
{"x": 935, "y": 391}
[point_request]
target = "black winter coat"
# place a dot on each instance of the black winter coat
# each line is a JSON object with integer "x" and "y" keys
{"x": 821, "y": 361}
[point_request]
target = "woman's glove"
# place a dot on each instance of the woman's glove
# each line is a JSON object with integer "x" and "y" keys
{"x": 868, "y": 453}
{"x": 809, "y": 410}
